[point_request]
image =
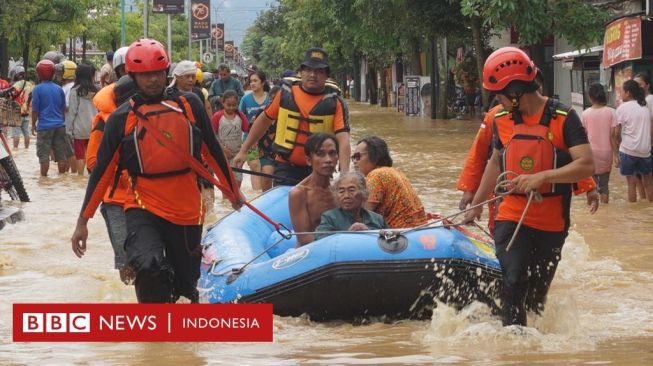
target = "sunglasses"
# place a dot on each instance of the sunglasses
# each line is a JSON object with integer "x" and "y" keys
{"x": 357, "y": 156}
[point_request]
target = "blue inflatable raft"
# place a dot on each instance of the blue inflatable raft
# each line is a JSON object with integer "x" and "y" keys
{"x": 345, "y": 276}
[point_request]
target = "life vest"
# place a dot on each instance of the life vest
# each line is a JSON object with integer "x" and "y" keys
{"x": 291, "y": 123}
{"x": 530, "y": 150}
{"x": 143, "y": 155}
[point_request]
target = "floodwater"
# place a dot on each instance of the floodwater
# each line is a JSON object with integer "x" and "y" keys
{"x": 600, "y": 308}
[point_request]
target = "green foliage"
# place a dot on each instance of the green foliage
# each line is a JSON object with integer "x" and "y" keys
{"x": 575, "y": 20}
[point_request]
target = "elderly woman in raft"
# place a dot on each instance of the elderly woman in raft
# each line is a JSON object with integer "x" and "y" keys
{"x": 350, "y": 193}
{"x": 391, "y": 194}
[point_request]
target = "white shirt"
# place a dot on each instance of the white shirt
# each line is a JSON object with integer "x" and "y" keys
{"x": 66, "y": 91}
{"x": 635, "y": 123}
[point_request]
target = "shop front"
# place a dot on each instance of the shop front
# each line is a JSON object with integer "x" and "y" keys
{"x": 628, "y": 50}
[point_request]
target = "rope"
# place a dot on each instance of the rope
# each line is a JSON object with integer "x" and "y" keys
{"x": 238, "y": 271}
{"x": 521, "y": 219}
{"x": 265, "y": 175}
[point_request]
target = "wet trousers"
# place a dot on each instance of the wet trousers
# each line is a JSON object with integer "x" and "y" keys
{"x": 528, "y": 268}
{"x": 165, "y": 256}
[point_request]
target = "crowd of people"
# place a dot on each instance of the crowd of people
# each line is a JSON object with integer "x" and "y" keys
{"x": 152, "y": 132}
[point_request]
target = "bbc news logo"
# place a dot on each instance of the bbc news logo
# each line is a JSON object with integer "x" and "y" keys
{"x": 57, "y": 322}
{"x": 142, "y": 322}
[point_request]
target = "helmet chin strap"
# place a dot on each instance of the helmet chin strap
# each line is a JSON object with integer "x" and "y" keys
{"x": 516, "y": 113}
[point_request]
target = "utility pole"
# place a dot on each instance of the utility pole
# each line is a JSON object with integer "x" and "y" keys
{"x": 122, "y": 23}
{"x": 146, "y": 5}
{"x": 190, "y": 41}
{"x": 169, "y": 36}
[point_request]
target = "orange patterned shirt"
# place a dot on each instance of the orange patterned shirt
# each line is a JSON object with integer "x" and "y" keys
{"x": 395, "y": 198}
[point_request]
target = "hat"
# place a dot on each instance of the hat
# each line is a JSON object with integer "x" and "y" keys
{"x": 316, "y": 58}
{"x": 287, "y": 73}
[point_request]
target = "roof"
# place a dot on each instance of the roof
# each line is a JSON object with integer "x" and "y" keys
{"x": 594, "y": 51}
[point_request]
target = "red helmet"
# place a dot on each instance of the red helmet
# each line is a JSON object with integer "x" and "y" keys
{"x": 146, "y": 55}
{"x": 45, "y": 70}
{"x": 505, "y": 65}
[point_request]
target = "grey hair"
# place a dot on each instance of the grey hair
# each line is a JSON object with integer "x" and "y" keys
{"x": 360, "y": 179}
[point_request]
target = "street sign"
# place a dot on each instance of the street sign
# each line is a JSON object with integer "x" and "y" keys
{"x": 207, "y": 57}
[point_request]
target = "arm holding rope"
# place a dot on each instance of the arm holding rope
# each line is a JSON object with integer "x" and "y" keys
{"x": 485, "y": 188}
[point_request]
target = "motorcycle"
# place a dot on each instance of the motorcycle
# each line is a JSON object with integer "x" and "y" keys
{"x": 10, "y": 179}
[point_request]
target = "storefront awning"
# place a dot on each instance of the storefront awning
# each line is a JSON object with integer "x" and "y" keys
{"x": 594, "y": 51}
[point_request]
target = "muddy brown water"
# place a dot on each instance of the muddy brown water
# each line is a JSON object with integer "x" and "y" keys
{"x": 600, "y": 308}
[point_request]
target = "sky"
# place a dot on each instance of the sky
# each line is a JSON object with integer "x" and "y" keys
{"x": 237, "y": 15}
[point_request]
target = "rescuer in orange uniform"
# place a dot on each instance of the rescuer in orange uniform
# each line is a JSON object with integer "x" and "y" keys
{"x": 544, "y": 146}
{"x": 159, "y": 138}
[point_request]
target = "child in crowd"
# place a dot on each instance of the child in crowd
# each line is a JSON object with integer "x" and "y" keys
{"x": 634, "y": 128}
{"x": 229, "y": 124}
{"x": 599, "y": 122}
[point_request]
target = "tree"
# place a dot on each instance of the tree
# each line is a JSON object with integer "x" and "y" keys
{"x": 577, "y": 21}
{"x": 37, "y": 24}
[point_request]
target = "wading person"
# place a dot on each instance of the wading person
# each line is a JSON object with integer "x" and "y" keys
{"x": 163, "y": 207}
{"x": 633, "y": 134}
{"x": 532, "y": 126}
{"x": 106, "y": 101}
{"x": 22, "y": 95}
{"x": 48, "y": 108}
{"x": 301, "y": 109}
{"x": 252, "y": 104}
{"x": 81, "y": 113}
{"x": 600, "y": 122}
{"x": 312, "y": 196}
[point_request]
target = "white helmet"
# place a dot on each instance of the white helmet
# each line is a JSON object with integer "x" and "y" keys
{"x": 119, "y": 57}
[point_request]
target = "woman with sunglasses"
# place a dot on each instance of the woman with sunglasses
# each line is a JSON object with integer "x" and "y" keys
{"x": 390, "y": 192}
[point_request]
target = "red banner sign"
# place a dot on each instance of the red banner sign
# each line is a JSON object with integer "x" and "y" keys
{"x": 142, "y": 323}
{"x": 622, "y": 41}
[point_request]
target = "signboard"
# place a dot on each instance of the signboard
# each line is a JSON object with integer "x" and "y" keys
{"x": 207, "y": 57}
{"x": 201, "y": 19}
{"x": 412, "y": 99}
{"x": 168, "y": 6}
{"x": 622, "y": 41}
{"x": 229, "y": 50}
{"x": 217, "y": 37}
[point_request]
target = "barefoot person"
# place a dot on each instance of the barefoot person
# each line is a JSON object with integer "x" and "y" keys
{"x": 312, "y": 196}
